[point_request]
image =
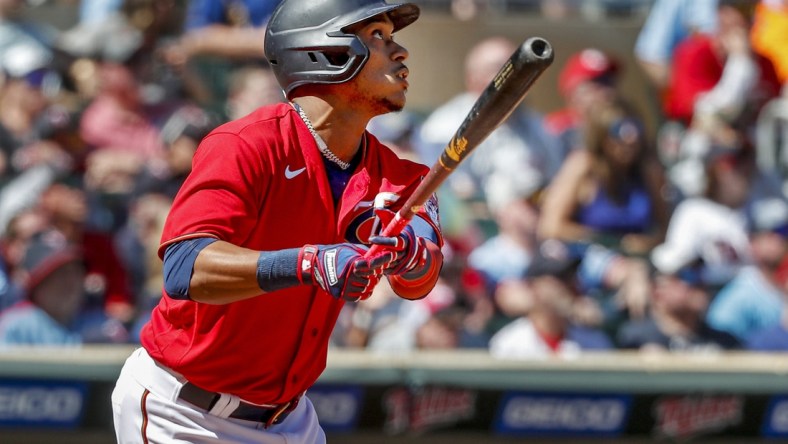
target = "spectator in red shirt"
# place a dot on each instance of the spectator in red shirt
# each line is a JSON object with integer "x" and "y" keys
{"x": 717, "y": 88}
{"x": 718, "y": 73}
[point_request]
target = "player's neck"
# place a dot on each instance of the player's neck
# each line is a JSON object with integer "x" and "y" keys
{"x": 341, "y": 128}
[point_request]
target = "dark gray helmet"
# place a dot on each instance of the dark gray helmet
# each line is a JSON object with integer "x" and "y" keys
{"x": 306, "y": 41}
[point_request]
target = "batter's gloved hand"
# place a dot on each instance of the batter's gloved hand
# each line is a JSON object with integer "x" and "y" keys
{"x": 411, "y": 251}
{"x": 341, "y": 269}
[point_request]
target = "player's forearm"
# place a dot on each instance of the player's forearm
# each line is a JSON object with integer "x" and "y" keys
{"x": 224, "y": 273}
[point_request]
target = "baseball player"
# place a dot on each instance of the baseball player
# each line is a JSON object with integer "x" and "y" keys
{"x": 266, "y": 240}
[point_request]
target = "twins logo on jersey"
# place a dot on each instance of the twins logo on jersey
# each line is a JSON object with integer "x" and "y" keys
{"x": 360, "y": 228}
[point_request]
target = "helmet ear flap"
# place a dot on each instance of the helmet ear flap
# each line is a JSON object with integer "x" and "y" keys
{"x": 336, "y": 59}
{"x": 327, "y": 65}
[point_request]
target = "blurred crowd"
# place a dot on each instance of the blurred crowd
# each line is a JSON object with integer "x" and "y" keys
{"x": 575, "y": 230}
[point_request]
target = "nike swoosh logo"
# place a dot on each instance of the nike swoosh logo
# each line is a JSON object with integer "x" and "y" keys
{"x": 291, "y": 174}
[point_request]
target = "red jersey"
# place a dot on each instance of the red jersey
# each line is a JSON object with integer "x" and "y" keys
{"x": 260, "y": 183}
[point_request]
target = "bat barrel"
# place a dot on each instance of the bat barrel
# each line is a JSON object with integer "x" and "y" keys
{"x": 499, "y": 99}
{"x": 496, "y": 103}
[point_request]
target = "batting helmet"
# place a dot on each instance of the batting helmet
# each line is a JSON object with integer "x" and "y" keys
{"x": 306, "y": 41}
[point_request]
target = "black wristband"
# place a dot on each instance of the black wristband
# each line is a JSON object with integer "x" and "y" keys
{"x": 277, "y": 269}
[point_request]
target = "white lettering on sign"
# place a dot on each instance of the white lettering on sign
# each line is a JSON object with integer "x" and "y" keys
{"x": 564, "y": 413}
{"x": 40, "y": 404}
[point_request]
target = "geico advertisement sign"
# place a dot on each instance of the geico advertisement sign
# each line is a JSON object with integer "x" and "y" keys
{"x": 44, "y": 403}
{"x": 548, "y": 414}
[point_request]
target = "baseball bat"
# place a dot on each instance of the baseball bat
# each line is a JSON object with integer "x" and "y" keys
{"x": 496, "y": 103}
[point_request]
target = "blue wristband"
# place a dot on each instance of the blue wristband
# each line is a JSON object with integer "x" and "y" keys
{"x": 277, "y": 269}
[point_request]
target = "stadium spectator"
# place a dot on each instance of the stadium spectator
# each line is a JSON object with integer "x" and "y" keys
{"x": 22, "y": 226}
{"x": 443, "y": 330}
{"x": 771, "y": 139}
{"x": 228, "y": 29}
{"x": 181, "y": 134}
{"x": 396, "y": 130}
{"x": 20, "y": 35}
{"x": 716, "y": 224}
{"x": 770, "y": 28}
{"x": 217, "y": 35}
{"x": 676, "y": 320}
{"x": 717, "y": 88}
{"x": 24, "y": 190}
{"x": 668, "y": 23}
{"x": 35, "y": 134}
{"x": 588, "y": 78}
{"x": 471, "y": 293}
{"x": 23, "y": 106}
{"x": 116, "y": 118}
{"x": 127, "y": 33}
{"x": 9, "y": 293}
{"x": 388, "y": 323}
{"x": 96, "y": 11}
{"x": 456, "y": 314}
{"x": 773, "y": 338}
{"x": 717, "y": 74}
{"x": 507, "y": 254}
{"x": 52, "y": 312}
{"x": 103, "y": 33}
{"x": 754, "y": 299}
{"x": 613, "y": 191}
{"x": 520, "y": 155}
{"x": 107, "y": 285}
{"x": 250, "y": 87}
{"x": 548, "y": 328}
{"x": 137, "y": 242}
{"x": 128, "y": 148}
{"x": 52, "y": 283}
{"x": 610, "y": 197}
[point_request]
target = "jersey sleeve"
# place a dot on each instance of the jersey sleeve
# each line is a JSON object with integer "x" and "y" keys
{"x": 223, "y": 194}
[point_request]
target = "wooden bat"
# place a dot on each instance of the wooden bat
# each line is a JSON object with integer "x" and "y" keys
{"x": 496, "y": 103}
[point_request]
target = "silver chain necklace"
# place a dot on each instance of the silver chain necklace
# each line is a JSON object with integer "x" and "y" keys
{"x": 321, "y": 144}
